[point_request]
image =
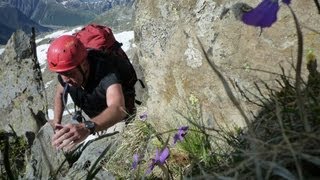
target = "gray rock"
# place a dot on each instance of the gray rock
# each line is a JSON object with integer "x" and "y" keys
{"x": 175, "y": 68}
{"x": 45, "y": 162}
{"x": 90, "y": 159}
{"x": 23, "y": 101}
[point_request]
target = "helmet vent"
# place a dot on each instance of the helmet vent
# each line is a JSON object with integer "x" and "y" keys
{"x": 53, "y": 64}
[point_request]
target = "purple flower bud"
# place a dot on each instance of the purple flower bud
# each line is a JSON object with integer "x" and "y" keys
{"x": 135, "y": 161}
{"x": 163, "y": 156}
{"x": 159, "y": 159}
{"x": 179, "y": 136}
{"x": 143, "y": 116}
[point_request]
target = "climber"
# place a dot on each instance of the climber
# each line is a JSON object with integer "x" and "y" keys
{"x": 97, "y": 85}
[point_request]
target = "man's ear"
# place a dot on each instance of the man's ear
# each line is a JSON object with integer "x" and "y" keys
{"x": 85, "y": 65}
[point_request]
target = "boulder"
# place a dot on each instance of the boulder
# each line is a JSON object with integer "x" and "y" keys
{"x": 23, "y": 102}
{"x": 175, "y": 68}
{"x": 45, "y": 161}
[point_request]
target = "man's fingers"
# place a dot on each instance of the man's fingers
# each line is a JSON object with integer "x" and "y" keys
{"x": 64, "y": 143}
{"x": 60, "y": 132}
{"x": 58, "y": 126}
{"x": 69, "y": 136}
{"x": 70, "y": 147}
{"x": 67, "y": 141}
{"x": 60, "y": 136}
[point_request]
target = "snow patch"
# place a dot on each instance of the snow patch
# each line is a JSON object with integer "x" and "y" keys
{"x": 125, "y": 38}
{"x": 51, "y": 113}
{"x": 60, "y": 33}
{"x": 47, "y": 84}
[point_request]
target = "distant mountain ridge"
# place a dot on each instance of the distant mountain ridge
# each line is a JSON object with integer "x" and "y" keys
{"x": 51, "y": 12}
{"x": 13, "y": 19}
{"x": 65, "y": 12}
{"x": 41, "y": 14}
{"x": 97, "y": 6}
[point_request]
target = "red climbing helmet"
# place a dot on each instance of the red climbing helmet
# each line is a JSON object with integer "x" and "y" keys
{"x": 65, "y": 53}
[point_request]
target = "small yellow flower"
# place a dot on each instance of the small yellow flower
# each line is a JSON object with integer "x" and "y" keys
{"x": 193, "y": 100}
{"x": 247, "y": 67}
{"x": 310, "y": 56}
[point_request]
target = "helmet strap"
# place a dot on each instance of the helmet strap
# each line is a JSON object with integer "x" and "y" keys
{"x": 65, "y": 97}
{"x": 83, "y": 75}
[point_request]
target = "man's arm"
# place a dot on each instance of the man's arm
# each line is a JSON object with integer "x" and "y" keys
{"x": 58, "y": 105}
{"x": 115, "y": 111}
{"x": 72, "y": 134}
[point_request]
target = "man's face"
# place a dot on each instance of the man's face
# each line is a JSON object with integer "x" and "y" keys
{"x": 72, "y": 77}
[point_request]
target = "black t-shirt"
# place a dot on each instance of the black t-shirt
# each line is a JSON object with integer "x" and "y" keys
{"x": 103, "y": 74}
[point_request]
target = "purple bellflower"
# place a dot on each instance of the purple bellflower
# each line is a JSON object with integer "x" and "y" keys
{"x": 264, "y": 15}
{"x": 179, "y": 136}
{"x": 159, "y": 159}
{"x": 135, "y": 161}
{"x": 144, "y": 116}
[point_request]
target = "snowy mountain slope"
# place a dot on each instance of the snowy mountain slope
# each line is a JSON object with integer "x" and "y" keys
{"x": 45, "y": 15}
{"x": 96, "y": 6}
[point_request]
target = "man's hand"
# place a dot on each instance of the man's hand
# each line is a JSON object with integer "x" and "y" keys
{"x": 69, "y": 135}
{"x": 52, "y": 123}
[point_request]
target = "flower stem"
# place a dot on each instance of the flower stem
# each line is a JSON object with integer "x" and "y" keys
{"x": 298, "y": 73}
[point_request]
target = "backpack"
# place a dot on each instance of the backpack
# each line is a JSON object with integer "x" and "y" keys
{"x": 100, "y": 38}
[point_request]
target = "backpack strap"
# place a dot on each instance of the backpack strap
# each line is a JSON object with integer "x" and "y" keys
{"x": 77, "y": 115}
{"x": 141, "y": 83}
{"x": 61, "y": 81}
{"x": 116, "y": 45}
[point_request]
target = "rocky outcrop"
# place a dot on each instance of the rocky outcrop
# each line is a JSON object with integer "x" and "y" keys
{"x": 23, "y": 101}
{"x": 175, "y": 67}
{"x": 44, "y": 161}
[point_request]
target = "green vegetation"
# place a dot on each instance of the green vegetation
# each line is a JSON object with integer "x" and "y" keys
{"x": 13, "y": 150}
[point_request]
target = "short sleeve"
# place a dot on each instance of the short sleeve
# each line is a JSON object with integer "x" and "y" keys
{"x": 109, "y": 79}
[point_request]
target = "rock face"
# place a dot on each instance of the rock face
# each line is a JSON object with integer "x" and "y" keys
{"x": 44, "y": 161}
{"x": 23, "y": 105}
{"x": 175, "y": 68}
{"x": 23, "y": 102}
